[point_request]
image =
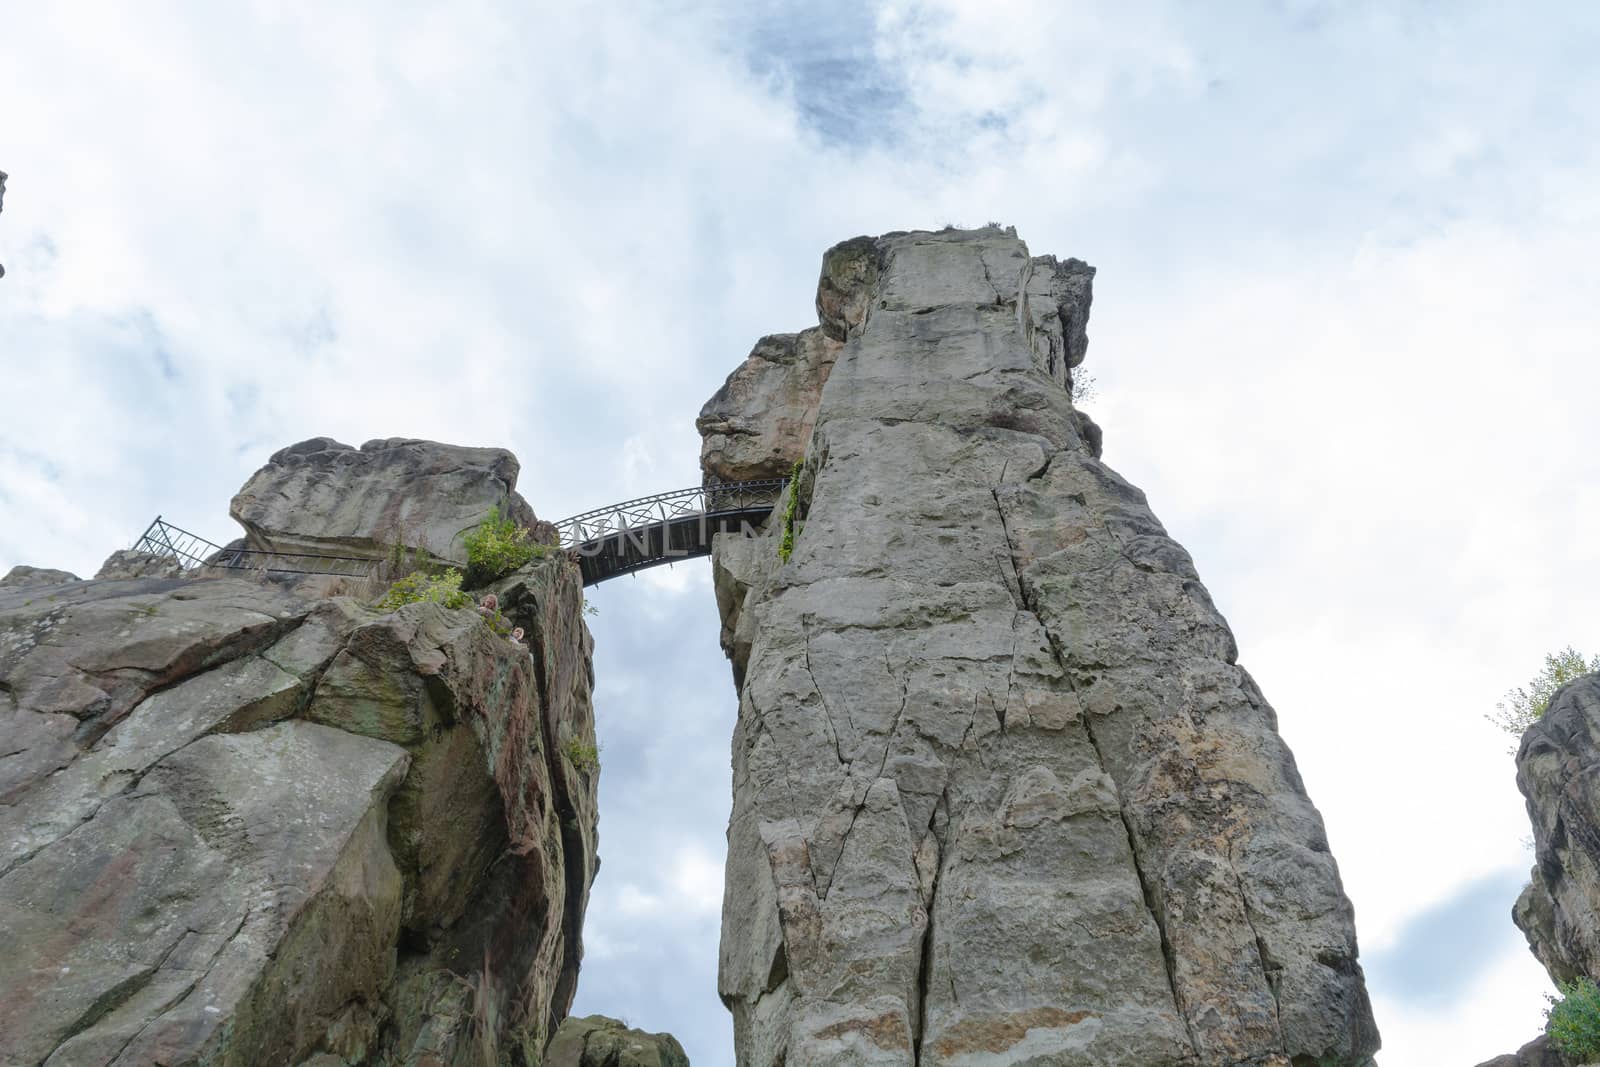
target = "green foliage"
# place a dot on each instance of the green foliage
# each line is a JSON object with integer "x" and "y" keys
{"x": 499, "y": 546}
{"x": 582, "y": 755}
{"x": 1521, "y": 708}
{"x": 402, "y": 564}
{"x": 1573, "y": 1021}
{"x": 443, "y": 589}
{"x": 589, "y": 609}
{"x": 497, "y": 622}
{"x": 786, "y": 546}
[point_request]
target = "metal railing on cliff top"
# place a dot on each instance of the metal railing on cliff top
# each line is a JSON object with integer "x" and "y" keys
{"x": 606, "y": 542}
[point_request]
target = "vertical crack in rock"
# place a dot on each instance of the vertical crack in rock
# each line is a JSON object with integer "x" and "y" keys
{"x": 763, "y": 726}
{"x": 574, "y": 867}
{"x": 925, "y": 964}
{"x": 1147, "y": 885}
{"x": 1152, "y": 899}
{"x": 905, "y": 696}
{"x": 827, "y": 712}
{"x": 1262, "y": 956}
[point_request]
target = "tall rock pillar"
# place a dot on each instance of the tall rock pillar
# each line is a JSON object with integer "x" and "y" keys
{"x": 1002, "y": 794}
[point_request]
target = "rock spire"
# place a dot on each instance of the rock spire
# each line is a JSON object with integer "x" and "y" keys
{"x": 1002, "y": 792}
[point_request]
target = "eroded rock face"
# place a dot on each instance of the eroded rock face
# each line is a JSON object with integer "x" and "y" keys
{"x": 242, "y": 825}
{"x": 320, "y": 496}
{"x": 23, "y": 575}
{"x": 1536, "y": 1053}
{"x": 596, "y": 1041}
{"x": 761, "y": 418}
{"x": 1557, "y": 764}
{"x": 1002, "y": 793}
{"x": 130, "y": 563}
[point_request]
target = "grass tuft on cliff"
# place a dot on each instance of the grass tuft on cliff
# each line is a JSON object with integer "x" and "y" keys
{"x": 582, "y": 755}
{"x": 786, "y": 545}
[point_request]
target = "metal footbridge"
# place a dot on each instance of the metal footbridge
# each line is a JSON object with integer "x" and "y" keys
{"x": 606, "y": 542}
{"x": 653, "y": 530}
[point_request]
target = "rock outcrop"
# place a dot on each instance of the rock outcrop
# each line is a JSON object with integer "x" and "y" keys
{"x": 244, "y": 824}
{"x": 1558, "y": 772}
{"x": 22, "y": 575}
{"x": 131, "y": 563}
{"x": 1002, "y": 793}
{"x": 596, "y": 1041}
{"x": 761, "y": 418}
{"x": 1536, "y": 1053}
{"x": 323, "y": 497}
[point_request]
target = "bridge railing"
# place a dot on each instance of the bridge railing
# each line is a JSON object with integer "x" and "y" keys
{"x": 588, "y": 531}
{"x": 161, "y": 538}
{"x": 612, "y": 540}
{"x": 194, "y": 552}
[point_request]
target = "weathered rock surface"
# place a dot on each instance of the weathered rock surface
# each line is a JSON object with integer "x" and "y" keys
{"x": 1002, "y": 793}
{"x": 761, "y": 418}
{"x": 596, "y": 1041}
{"x": 244, "y": 825}
{"x": 320, "y": 496}
{"x": 23, "y": 575}
{"x": 131, "y": 563}
{"x": 1558, "y": 771}
{"x": 1536, "y": 1053}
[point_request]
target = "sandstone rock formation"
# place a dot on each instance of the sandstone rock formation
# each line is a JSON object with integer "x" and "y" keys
{"x": 1002, "y": 793}
{"x": 1536, "y": 1053}
{"x": 1557, "y": 766}
{"x": 1559, "y": 910}
{"x": 761, "y": 419}
{"x": 596, "y": 1041}
{"x": 241, "y": 824}
{"x": 320, "y": 496}
{"x": 23, "y": 575}
{"x": 131, "y": 563}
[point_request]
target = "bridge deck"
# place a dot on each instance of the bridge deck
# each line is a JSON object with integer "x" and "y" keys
{"x": 663, "y": 528}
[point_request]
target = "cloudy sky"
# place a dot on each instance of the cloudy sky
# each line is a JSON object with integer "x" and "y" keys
{"x": 1345, "y": 333}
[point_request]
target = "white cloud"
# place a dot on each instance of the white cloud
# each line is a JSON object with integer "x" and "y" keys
{"x": 692, "y": 885}
{"x": 1344, "y": 332}
{"x": 1500, "y": 1014}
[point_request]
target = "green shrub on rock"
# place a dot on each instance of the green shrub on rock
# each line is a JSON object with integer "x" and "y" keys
{"x": 582, "y": 755}
{"x": 1521, "y": 708}
{"x": 442, "y": 589}
{"x": 1573, "y": 1021}
{"x": 499, "y": 546}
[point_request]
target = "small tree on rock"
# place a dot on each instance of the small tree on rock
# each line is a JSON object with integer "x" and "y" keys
{"x": 1521, "y": 708}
